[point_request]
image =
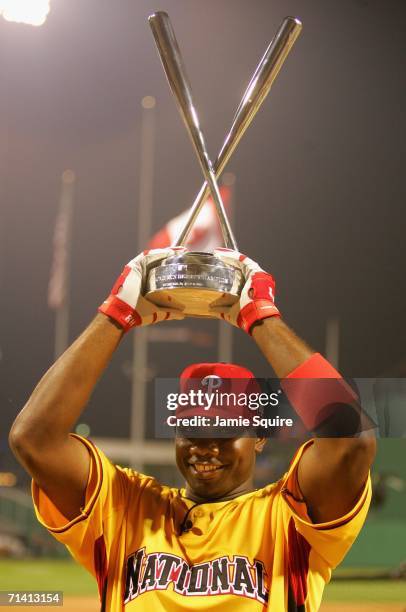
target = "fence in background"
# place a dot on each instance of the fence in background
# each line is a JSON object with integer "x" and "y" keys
{"x": 20, "y": 532}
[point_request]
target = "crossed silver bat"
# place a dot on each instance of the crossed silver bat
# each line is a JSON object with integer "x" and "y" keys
{"x": 256, "y": 92}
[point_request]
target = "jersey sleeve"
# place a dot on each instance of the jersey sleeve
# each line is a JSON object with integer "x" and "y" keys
{"x": 331, "y": 540}
{"x": 90, "y": 536}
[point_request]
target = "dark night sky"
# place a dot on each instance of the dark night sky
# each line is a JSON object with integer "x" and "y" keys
{"x": 320, "y": 174}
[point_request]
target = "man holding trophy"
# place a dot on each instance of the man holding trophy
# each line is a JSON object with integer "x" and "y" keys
{"x": 218, "y": 543}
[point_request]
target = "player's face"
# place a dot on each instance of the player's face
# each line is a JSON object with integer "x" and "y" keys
{"x": 217, "y": 468}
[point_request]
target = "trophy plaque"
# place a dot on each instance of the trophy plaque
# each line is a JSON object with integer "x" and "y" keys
{"x": 195, "y": 281}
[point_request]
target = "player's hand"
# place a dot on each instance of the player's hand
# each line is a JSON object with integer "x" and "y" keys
{"x": 126, "y": 303}
{"x": 257, "y": 296}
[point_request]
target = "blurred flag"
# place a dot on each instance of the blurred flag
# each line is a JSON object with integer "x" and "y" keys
{"x": 58, "y": 282}
{"x": 206, "y": 232}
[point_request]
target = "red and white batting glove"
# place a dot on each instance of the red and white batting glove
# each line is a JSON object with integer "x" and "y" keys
{"x": 257, "y": 296}
{"x": 126, "y": 304}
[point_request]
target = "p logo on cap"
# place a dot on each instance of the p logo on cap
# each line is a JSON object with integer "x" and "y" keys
{"x": 212, "y": 382}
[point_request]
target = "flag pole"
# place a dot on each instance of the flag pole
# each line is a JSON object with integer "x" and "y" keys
{"x": 225, "y": 335}
{"x": 140, "y": 337}
{"x": 58, "y": 295}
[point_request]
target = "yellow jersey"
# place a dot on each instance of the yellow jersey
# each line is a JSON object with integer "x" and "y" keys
{"x": 150, "y": 547}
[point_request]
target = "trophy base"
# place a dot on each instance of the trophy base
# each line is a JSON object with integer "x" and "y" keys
{"x": 195, "y": 302}
{"x": 193, "y": 283}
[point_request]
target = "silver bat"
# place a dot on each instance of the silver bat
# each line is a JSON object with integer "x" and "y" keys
{"x": 256, "y": 92}
{"x": 175, "y": 71}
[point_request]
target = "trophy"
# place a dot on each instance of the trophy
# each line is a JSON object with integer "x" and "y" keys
{"x": 195, "y": 281}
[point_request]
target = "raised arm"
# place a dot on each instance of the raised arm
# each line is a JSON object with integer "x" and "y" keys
{"x": 40, "y": 438}
{"x": 332, "y": 471}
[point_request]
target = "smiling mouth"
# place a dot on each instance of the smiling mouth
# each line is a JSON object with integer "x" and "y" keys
{"x": 205, "y": 469}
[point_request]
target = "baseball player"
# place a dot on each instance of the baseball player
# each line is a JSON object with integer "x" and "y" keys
{"x": 218, "y": 543}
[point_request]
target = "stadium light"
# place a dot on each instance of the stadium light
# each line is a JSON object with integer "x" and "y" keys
{"x": 32, "y": 12}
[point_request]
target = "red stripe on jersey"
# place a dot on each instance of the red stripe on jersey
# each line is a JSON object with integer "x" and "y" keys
{"x": 100, "y": 566}
{"x": 298, "y": 567}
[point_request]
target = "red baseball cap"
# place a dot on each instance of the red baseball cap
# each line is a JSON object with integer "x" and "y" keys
{"x": 217, "y": 378}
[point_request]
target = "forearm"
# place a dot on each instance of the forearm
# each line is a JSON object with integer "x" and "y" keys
{"x": 281, "y": 347}
{"x": 321, "y": 397}
{"x": 333, "y": 471}
{"x": 63, "y": 392}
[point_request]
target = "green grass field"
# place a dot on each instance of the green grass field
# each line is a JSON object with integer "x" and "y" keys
{"x": 46, "y": 574}
{"x": 361, "y": 591}
{"x": 66, "y": 576}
